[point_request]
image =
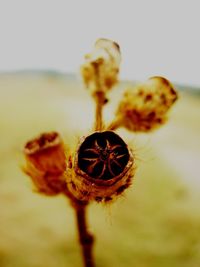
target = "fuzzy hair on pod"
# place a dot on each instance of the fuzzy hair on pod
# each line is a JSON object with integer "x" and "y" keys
{"x": 46, "y": 163}
{"x": 145, "y": 106}
{"x": 101, "y": 66}
{"x": 103, "y": 168}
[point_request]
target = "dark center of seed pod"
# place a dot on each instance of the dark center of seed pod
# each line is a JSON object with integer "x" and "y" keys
{"x": 103, "y": 155}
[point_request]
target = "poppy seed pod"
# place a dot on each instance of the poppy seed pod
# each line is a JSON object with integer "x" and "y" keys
{"x": 46, "y": 163}
{"x": 103, "y": 167}
{"x": 101, "y": 67}
{"x": 144, "y": 107}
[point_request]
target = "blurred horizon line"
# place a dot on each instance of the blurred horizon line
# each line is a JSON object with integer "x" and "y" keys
{"x": 74, "y": 75}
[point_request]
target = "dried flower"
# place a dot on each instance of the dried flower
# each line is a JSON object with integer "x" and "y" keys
{"x": 101, "y": 68}
{"x": 103, "y": 167}
{"x": 46, "y": 163}
{"x": 144, "y": 107}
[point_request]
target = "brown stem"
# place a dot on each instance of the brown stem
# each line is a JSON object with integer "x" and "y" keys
{"x": 85, "y": 238}
{"x": 100, "y": 101}
{"x": 99, "y": 96}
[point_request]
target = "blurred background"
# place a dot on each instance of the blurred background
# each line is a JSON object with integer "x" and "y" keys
{"x": 42, "y": 44}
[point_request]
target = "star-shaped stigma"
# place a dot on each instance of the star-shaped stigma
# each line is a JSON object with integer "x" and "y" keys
{"x": 103, "y": 155}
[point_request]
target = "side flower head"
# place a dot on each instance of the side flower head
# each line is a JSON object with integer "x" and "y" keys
{"x": 46, "y": 163}
{"x": 103, "y": 167}
{"x": 145, "y": 106}
{"x": 101, "y": 67}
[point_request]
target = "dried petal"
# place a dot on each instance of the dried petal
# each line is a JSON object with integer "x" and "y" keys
{"x": 145, "y": 106}
{"x": 46, "y": 162}
{"x": 112, "y": 49}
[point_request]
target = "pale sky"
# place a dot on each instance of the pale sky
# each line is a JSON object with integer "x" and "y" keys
{"x": 156, "y": 37}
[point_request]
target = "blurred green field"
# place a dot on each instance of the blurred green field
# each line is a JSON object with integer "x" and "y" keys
{"x": 155, "y": 223}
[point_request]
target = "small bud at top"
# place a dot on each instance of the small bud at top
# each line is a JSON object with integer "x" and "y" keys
{"x": 100, "y": 71}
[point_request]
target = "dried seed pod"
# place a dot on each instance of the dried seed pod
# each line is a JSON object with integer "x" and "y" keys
{"x": 101, "y": 68}
{"x": 46, "y": 163}
{"x": 144, "y": 107}
{"x": 103, "y": 167}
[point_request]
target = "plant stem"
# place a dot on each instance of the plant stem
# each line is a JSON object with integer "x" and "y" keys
{"x": 99, "y": 95}
{"x": 98, "y": 112}
{"x": 85, "y": 238}
{"x": 100, "y": 101}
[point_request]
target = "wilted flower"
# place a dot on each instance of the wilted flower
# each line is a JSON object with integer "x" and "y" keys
{"x": 145, "y": 106}
{"x": 101, "y": 67}
{"x": 102, "y": 166}
{"x": 46, "y": 163}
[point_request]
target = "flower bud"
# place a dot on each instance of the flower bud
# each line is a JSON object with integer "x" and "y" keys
{"x": 103, "y": 167}
{"x": 144, "y": 107}
{"x": 101, "y": 68}
{"x": 46, "y": 163}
